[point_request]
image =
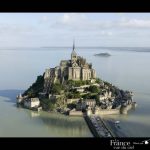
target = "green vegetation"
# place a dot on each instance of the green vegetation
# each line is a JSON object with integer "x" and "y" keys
{"x": 94, "y": 89}
{"x": 51, "y": 105}
{"x": 90, "y": 96}
{"x": 71, "y": 106}
{"x": 36, "y": 87}
{"x": 67, "y": 91}
{"x": 107, "y": 83}
{"x": 79, "y": 83}
{"x": 114, "y": 91}
{"x": 47, "y": 104}
{"x": 96, "y": 97}
{"x": 87, "y": 96}
{"x": 98, "y": 80}
{"x": 112, "y": 88}
{"x": 57, "y": 88}
{"x": 61, "y": 101}
{"x": 73, "y": 95}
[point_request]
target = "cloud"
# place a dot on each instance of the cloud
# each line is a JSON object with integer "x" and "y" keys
{"x": 17, "y": 34}
{"x": 108, "y": 33}
{"x": 79, "y": 21}
{"x": 62, "y": 28}
{"x": 44, "y": 19}
{"x": 71, "y": 21}
{"x": 73, "y": 18}
{"x": 14, "y": 29}
{"x": 134, "y": 23}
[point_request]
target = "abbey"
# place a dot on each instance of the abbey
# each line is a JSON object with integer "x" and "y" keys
{"x": 74, "y": 69}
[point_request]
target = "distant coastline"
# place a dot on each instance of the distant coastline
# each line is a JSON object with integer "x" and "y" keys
{"x": 49, "y": 48}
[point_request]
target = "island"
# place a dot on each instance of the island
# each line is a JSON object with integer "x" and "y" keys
{"x": 103, "y": 54}
{"x": 72, "y": 88}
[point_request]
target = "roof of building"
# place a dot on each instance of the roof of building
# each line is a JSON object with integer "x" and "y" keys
{"x": 73, "y": 51}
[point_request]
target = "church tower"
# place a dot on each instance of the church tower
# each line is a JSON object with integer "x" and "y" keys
{"x": 73, "y": 54}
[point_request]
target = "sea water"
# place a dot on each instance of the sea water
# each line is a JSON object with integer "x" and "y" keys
{"x": 126, "y": 68}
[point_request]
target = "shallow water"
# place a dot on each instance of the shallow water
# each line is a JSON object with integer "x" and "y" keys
{"x": 137, "y": 122}
{"x": 19, "y": 122}
{"x": 128, "y": 70}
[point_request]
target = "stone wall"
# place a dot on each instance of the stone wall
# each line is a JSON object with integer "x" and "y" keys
{"x": 75, "y": 113}
{"x": 107, "y": 112}
{"x": 93, "y": 73}
{"x": 76, "y": 73}
{"x": 86, "y": 74}
{"x": 70, "y": 72}
{"x": 122, "y": 110}
{"x": 72, "y": 100}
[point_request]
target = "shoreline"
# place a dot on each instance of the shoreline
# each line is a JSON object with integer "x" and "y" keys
{"x": 107, "y": 123}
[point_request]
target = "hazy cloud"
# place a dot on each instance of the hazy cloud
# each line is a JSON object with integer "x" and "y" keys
{"x": 76, "y": 21}
{"x": 14, "y": 29}
{"x": 134, "y": 23}
{"x": 60, "y": 29}
{"x": 44, "y": 19}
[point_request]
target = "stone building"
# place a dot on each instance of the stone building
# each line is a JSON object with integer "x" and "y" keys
{"x": 83, "y": 105}
{"x": 19, "y": 98}
{"x": 31, "y": 103}
{"x": 90, "y": 103}
{"x": 105, "y": 95}
{"x": 74, "y": 69}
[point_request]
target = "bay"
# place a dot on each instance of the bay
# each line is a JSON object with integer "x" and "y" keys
{"x": 127, "y": 69}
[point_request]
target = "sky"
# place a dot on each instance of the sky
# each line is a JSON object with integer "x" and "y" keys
{"x": 88, "y": 29}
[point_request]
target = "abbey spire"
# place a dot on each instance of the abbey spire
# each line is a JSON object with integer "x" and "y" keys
{"x": 73, "y": 54}
{"x": 73, "y": 45}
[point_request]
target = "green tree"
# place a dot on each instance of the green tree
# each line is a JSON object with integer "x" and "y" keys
{"x": 71, "y": 106}
{"x": 76, "y": 95}
{"x": 70, "y": 95}
{"x": 94, "y": 89}
{"x": 87, "y": 82}
{"x": 36, "y": 87}
{"x": 51, "y": 106}
{"x": 56, "y": 88}
{"x": 107, "y": 83}
{"x": 96, "y": 97}
{"x": 47, "y": 104}
{"x": 86, "y": 96}
{"x": 78, "y": 83}
{"x": 98, "y": 80}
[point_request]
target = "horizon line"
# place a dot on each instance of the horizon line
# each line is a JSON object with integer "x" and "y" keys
{"x": 76, "y": 47}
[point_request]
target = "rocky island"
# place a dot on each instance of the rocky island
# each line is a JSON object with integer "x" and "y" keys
{"x": 72, "y": 88}
{"x": 103, "y": 54}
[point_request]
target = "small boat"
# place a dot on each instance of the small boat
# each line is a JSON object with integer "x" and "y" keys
{"x": 117, "y": 122}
